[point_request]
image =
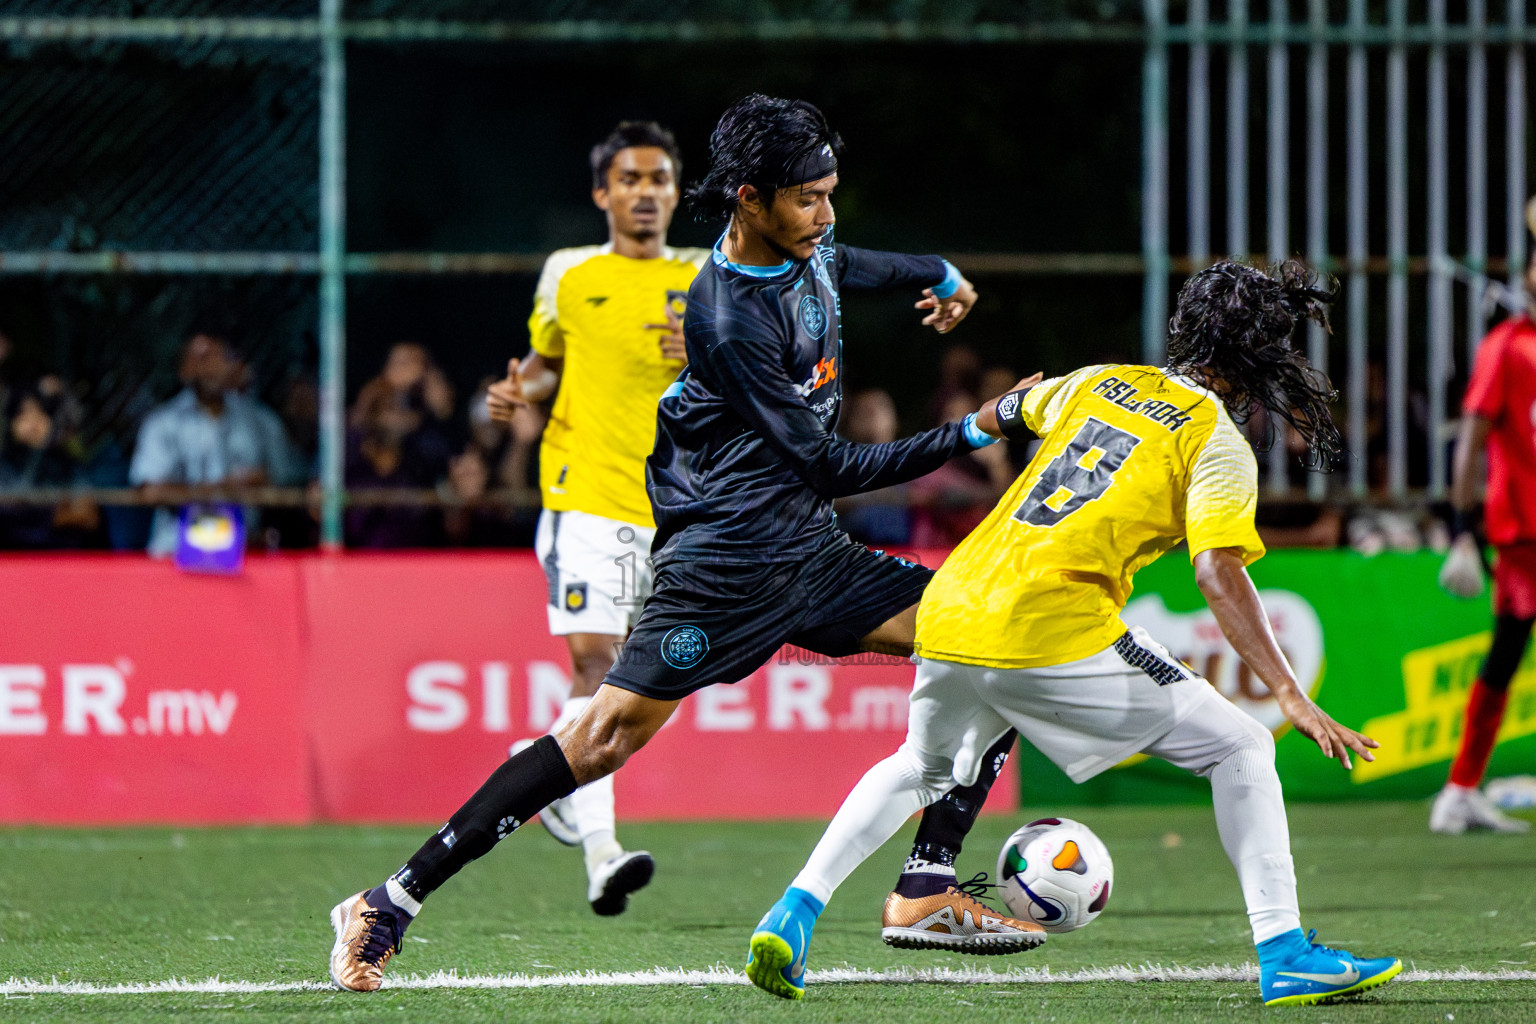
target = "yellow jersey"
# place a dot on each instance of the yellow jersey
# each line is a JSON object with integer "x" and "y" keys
{"x": 1134, "y": 460}
{"x": 590, "y": 309}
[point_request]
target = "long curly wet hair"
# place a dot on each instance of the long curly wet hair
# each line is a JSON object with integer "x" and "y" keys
{"x": 1232, "y": 327}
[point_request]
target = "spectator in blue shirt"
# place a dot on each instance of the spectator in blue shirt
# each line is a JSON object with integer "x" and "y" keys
{"x": 208, "y": 436}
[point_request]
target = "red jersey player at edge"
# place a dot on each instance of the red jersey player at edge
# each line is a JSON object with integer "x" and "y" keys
{"x": 1499, "y": 417}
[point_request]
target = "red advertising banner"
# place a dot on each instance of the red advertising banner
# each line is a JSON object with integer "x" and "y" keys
{"x": 372, "y": 687}
{"x": 425, "y": 669}
{"x": 131, "y": 692}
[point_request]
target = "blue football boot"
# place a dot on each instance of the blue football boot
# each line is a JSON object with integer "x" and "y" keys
{"x": 1295, "y": 971}
{"x": 776, "y": 960}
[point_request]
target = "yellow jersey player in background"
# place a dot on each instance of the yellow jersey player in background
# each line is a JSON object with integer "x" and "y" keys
{"x": 606, "y": 338}
{"x": 1021, "y": 626}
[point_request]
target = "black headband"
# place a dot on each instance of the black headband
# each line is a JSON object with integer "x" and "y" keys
{"x": 815, "y": 165}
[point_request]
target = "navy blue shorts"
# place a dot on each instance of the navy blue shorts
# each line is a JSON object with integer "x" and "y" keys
{"x": 706, "y": 624}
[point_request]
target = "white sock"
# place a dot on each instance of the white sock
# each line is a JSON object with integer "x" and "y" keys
{"x": 400, "y": 898}
{"x": 600, "y": 849}
{"x": 918, "y": 866}
{"x": 1250, "y": 816}
{"x": 591, "y": 809}
{"x": 888, "y": 794}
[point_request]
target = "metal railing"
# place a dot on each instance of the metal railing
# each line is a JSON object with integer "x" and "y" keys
{"x": 266, "y": 497}
{"x": 329, "y": 32}
{"x": 1357, "y": 43}
{"x": 1326, "y": 40}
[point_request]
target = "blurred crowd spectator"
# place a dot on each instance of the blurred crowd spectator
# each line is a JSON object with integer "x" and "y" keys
{"x": 398, "y": 438}
{"x": 457, "y": 479}
{"x": 937, "y": 510}
{"x": 36, "y": 453}
{"x": 210, "y": 436}
{"x": 501, "y": 458}
{"x": 5, "y": 355}
{"x": 950, "y": 502}
{"x": 881, "y": 518}
{"x": 403, "y": 435}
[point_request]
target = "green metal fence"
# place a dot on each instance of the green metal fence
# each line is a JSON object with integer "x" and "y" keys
{"x": 158, "y": 153}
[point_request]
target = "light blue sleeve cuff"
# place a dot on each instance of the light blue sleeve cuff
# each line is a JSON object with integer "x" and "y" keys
{"x": 951, "y": 283}
{"x": 974, "y": 435}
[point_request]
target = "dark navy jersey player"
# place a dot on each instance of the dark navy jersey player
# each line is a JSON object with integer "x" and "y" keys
{"x": 746, "y": 464}
{"x": 748, "y": 555}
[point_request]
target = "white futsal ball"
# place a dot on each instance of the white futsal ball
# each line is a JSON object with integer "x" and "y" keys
{"x": 1056, "y": 873}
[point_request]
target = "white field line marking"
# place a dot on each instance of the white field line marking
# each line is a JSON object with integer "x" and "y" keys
{"x": 719, "y": 975}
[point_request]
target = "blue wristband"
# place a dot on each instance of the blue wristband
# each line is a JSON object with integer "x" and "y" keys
{"x": 951, "y": 283}
{"x": 974, "y": 435}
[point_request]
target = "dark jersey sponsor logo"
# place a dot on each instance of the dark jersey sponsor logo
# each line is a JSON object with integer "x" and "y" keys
{"x": 825, "y": 373}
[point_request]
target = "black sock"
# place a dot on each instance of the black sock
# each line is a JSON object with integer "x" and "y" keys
{"x": 524, "y": 785}
{"x": 1510, "y": 635}
{"x": 930, "y": 868}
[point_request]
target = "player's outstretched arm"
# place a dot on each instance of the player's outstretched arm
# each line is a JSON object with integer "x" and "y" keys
{"x": 750, "y": 374}
{"x": 946, "y": 293}
{"x": 528, "y": 382}
{"x": 1229, "y": 591}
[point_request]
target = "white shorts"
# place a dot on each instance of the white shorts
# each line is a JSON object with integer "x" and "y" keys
{"x": 1085, "y": 715}
{"x": 598, "y": 570}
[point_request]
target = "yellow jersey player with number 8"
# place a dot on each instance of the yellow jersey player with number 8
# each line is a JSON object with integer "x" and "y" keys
{"x": 606, "y": 339}
{"x": 1020, "y": 628}
{"x": 1057, "y": 596}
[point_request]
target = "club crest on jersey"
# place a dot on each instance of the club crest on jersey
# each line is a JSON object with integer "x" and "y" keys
{"x": 813, "y": 316}
{"x": 1008, "y": 405}
{"x": 575, "y": 597}
{"x": 684, "y": 646}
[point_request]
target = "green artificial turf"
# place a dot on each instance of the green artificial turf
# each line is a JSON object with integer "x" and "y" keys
{"x": 110, "y": 906}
